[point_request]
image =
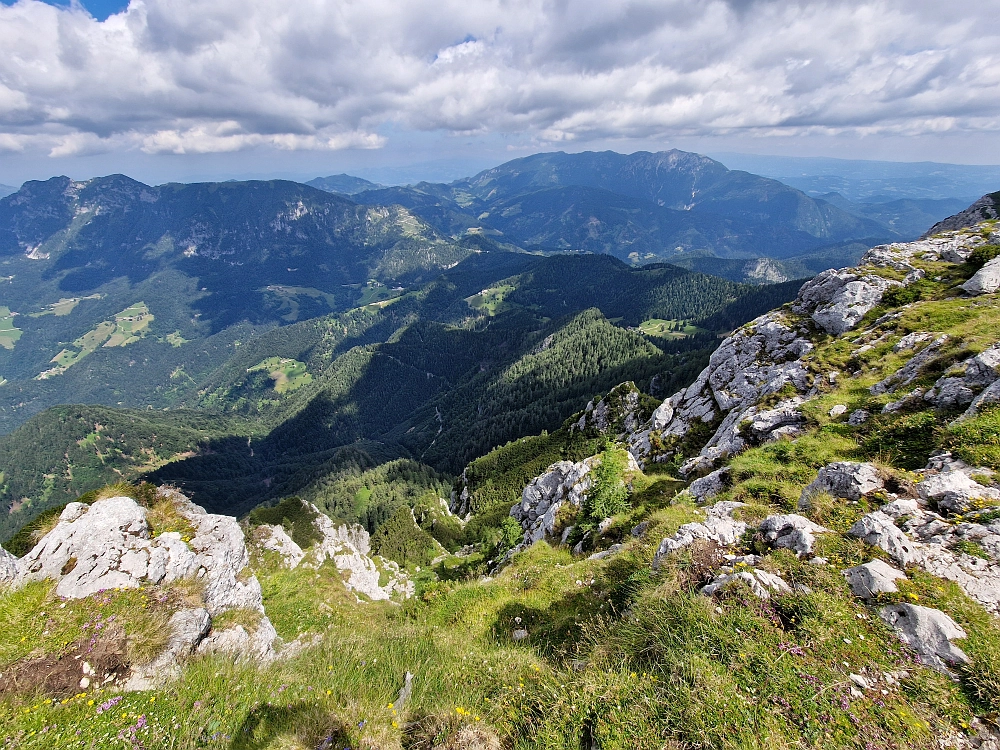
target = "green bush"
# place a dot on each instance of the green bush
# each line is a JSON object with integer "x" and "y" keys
{"x": 898, "y": 296}
{"x": 982, "y": 255}
{"x": 401, "y": 540}
{"x": 609, "y": 495}
{"x": 292, "y": 514}
{"x": 905, "y": 440}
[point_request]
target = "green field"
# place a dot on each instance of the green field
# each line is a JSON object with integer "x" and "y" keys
{"x": 669, "y": 329}
{"x": 130, "y": 325}
{"x": 63, "y": 307}
{"x": 288, "y": 374}
{"x": 491, "y": 301}
{"x": 8, "y": 333}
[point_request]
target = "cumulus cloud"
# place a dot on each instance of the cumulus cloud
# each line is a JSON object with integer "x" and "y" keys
{"x": 200, "y": 76}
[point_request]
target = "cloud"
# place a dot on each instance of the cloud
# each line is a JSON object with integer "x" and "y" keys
{"x": 203, "y": 76}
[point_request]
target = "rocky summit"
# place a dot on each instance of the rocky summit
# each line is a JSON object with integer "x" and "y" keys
{"x": 792, "y": 541}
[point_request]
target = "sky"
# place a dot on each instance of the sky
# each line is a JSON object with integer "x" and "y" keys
{"x": 399, "y": 90}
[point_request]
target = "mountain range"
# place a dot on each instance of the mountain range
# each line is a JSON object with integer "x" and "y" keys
{"x": 295, "y": 333}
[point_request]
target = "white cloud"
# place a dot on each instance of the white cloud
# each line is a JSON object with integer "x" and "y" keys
{"x": 201, "y": 76}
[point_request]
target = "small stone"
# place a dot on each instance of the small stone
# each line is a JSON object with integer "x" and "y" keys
{"x": 860, "y": 681}
{"x": 837, "y": 410}
{"x": 858, "y": 417}
{"x": 84, "y": 683}
{"x": 519, "y": 634}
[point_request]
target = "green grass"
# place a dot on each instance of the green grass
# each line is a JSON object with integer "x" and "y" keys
{"x": 9, "y": 334}
{"x": 288, "y": 374}
{"x": 129, "y": 326}
{"x": 491, "y": 301}
{"x": 669, "y": 329}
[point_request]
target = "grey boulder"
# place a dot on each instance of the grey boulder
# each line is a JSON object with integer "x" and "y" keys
{"x": 878, "y": 530}
{"x": 791, "y": 531}
{"x": 8, "y": 567}
{"x": 873, "y": 578}
{"x": 986, "y": 280}
{"x": 927, "y": 631}
{"x": 838, "y": 300}
{"x": 954, "y": 491}
{"x": 844, "y": 479}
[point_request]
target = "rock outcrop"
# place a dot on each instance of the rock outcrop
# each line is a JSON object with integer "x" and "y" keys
{"x": 720, "y": 527}
{"x": 791, "y": 531}
{"x": 986, "y": 280}
{"x": 873, "y": 578}
{"x": 986, "y": 208}
{"x": 111, "y": 545}
{"x": 348, "y": 546}
{"x": 969, "y": 383}
{"x": 927, "y": 631}
{"x": 565, "y": 482}
{"x": 8, "y": 567}
{"x": 838, "y": 300}
{"x": 844, "y": 479}
{"x": 761, "y": 582}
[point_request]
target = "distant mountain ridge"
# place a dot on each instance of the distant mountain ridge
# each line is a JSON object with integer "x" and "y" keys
{"x": 640, "y": 207}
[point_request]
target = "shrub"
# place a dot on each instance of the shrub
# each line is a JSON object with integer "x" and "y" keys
{"x": 608, "y": 496}
{"x": 297, "y": 518}
{"x": 982, "y": 255}
{"x": 401, "y": 540}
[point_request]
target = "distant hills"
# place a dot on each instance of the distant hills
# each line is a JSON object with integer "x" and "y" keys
{"x": 865, "y": 181}
{"x": 640, "y": 207}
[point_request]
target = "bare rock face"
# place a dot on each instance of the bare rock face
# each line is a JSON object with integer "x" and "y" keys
{"x": 986, "y": 280}
{"x": 107, "y": 545}
{"x": 564, "y": 482}
{"x": 838, "y": 300}
{"x": 912, "y": 369}
{"x": 954, "y": 491}
{"x": 761, "y": 583}
{"x": 873, "y": 578}
{"x": 986, "y": 208}
{"x": 927, "y": 631}
{"x": 791, "y": 531}
{"x": 8, "y": 567}
{"x": 617, "y": 413}
{"x": 878, "y": 530}
{"x": 188, "y": 627}
{"x": 709, "y": 486}
{"x": 720, "y": 527}
{"x": 967, "y": 380}
{"x": 275, "y": 538}
{"x": 349, "y": 547}
{"x": 844, "y": 479}
{"x": 256, "y": 644}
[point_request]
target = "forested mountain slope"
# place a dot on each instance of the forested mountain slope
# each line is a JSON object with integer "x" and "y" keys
{"x": 639, "y": 207}
{"x": 799, "y": 548}
{"x": 499, "y": 346}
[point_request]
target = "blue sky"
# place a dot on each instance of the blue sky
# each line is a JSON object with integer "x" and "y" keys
{"x": 99, "y": 9}
{"x": 200, "y": 89}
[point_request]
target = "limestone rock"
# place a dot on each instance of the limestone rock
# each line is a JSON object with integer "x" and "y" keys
{"x": 927, "y": 631}
{"x": 791, "y": 531}
{"x": 986, "y": 280}
{"x": 954, "y": 491}
{"x": 984, "y": 209}
{"x": 275, "y": 538}
{"x": 719, "y": 527}
{"x": 188, "y": 627}
{"x": 844, "y": 479}
{"x": 838, "y": 300}
{"x": 709, "y": 486}
{"x": 912, "y": 369}
{"x": 873, "y": 578}
{"x": 973, "y": 375}
{"x": 106, "y": 545}
{"x": 910, "y": 341}
{"x": 837, "y": 410}
{"x": 618, "y": 412}
{"x": 242, "y": 644}
{"x": 541, "y": 499}
{"x": 878, "y": 530}
{"x": 761, "y": 583}
{"x": 8, "y": 567}
{"x": 858, "y": 417}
